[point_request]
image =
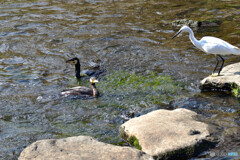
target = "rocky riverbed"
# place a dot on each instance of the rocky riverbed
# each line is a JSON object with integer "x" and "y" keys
{"x": 160, "y": 134}
{"x": 144, "y": 70}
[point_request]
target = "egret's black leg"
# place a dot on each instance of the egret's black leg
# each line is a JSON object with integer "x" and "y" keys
{"x": 216, "y": 64}
{"x": 221, "y": 65}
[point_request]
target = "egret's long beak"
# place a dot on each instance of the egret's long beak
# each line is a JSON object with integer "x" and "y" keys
{"x": 176, "y": 34}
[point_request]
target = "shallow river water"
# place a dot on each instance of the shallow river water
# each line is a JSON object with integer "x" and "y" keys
{"x": 126, "y": 39}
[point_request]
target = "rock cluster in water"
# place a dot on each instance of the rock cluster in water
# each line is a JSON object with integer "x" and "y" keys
{"x": 161, "y": 134}
{"x": 229, "y": 80}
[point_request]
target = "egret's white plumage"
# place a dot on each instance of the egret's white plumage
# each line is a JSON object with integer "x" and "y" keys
{"x": 211, "y": 45}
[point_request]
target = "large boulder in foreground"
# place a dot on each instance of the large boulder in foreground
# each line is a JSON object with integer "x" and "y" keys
{"x": 229, "y": 80}
{"x": 166, "y": 134}
{"x": 79, "y": 148}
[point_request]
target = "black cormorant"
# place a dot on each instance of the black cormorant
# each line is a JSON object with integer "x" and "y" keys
{"x": 78, "y": 72}
{"x": 77, "y": 66}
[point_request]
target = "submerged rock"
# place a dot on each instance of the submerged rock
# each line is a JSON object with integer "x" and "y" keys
{"x": 190, "y": 23}
{"x": 79, "y": 148}
{"x": 228, "y": 81}
{"x": 166, "y": 134}
{"x": 193, "y": 23}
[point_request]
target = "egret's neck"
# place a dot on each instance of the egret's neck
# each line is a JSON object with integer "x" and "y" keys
{"x": 194, "y": 40}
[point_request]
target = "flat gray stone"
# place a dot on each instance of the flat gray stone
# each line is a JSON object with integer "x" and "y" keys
{"x": 227, "y": 81}
{"x": 166, "y": 134}
{"x": 79, "y": 148}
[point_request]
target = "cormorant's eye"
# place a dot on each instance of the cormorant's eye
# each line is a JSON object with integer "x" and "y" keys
{"x": 73, "y": 62}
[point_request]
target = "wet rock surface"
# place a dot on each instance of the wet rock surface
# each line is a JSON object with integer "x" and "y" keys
{"x": 228, "y": 80}
{"x": 167, "y": 134}
{"x": 80, "y": 147}
{"x": 37, "y": 37}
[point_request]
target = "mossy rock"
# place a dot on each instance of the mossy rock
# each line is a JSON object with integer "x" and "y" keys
{"x": 134, "y": 141}
{"x": 131, "y": 140}
{"x": 235, "y": 89}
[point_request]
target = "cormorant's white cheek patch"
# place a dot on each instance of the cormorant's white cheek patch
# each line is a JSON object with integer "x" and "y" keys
{"x": 93, "y": 80}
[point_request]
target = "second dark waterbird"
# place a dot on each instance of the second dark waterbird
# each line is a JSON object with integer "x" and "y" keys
{"x": 82, "y": 91}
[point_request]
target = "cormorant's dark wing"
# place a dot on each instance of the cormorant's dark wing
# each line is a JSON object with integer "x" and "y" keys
{"x": 80, "y": 90}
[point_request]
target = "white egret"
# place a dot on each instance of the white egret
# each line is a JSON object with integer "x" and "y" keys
{"x": 211, "y": 45}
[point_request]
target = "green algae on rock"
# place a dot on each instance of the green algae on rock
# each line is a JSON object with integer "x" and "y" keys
{"x": 151, "y": 88}
{"x": 134, "y": 141}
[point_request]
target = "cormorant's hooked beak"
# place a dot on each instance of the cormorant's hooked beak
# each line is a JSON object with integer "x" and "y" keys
{"x": 73, "y": 60}
{"x": 177, "y": 34}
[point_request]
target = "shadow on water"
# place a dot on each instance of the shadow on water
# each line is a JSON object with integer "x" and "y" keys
{"x": 144, "y": 69}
